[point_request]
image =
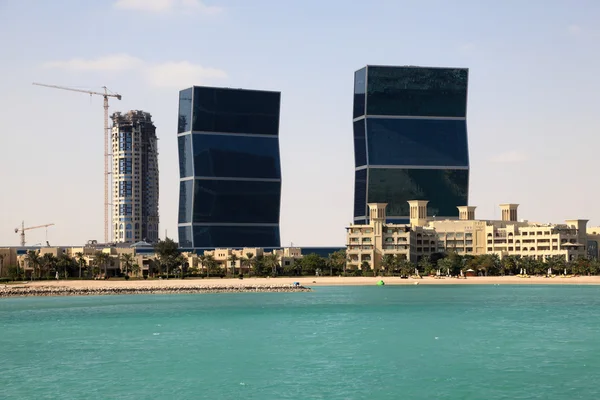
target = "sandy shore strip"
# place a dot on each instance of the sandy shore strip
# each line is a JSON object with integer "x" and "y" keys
{"x": 287, "y": 282}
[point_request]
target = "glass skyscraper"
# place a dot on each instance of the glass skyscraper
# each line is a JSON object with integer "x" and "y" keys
{"x": 230, "y": 172}
{"x": 410, "y": 140}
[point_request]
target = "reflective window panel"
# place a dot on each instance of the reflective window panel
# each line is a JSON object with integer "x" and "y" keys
{"x": 360, "y": 193}
{"x": 445, "y": 189}
{"x": 414, "y": 91}
{"x": 185, "y": 156}
{"x": 185, "y": 236}
{"x": 185, "y": 201}
{"x": 360, "y": 145}
{"x": 236, "y": 111}
{"x": 417, "y": 142}
{"x": 230, "y": 201}
{"x": 185, "y": 111}
{"x": 236, "y": 236}
{"x": 236, "y": 156}
{"x": 360, "y": 77}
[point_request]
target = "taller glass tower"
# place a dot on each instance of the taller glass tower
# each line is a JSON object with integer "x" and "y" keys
{"x": 230, "y": 173}
{"x": 410, "y": 140}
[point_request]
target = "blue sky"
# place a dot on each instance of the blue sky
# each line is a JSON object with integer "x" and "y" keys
{"x": 532, "y": 112}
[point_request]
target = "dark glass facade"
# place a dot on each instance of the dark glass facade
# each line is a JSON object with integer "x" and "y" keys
{"x": 230, "y": 169}
{"x": 410, "y": 140}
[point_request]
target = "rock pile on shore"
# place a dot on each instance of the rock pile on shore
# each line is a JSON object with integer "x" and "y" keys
{"x": 24, "y": 291}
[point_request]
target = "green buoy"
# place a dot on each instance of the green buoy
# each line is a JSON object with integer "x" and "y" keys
{"x": 380, "y": 283}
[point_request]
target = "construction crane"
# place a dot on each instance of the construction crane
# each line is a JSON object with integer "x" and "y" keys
{"x": 107, "y": 154}
{"x": 23, "y": 229}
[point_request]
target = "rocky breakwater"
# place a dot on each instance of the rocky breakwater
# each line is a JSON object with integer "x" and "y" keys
{"x": 41, "y": 291}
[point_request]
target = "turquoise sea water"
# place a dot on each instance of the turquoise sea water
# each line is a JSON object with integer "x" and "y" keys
{"x": 391, "y": 342}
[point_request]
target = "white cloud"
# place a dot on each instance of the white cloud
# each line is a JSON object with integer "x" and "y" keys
{"x": 510, "y": 157}
{"x": 574, "y": 30}
{"x": 162, "y": 6}
{"x": 169, "y": 74}
{"x": 115, "y": 62}
{"x": 178, "y": 74}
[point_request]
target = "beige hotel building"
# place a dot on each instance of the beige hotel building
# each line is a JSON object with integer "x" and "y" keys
{"x": 423, "y": 236}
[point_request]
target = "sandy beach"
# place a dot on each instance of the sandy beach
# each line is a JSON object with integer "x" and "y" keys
{"x": 321, "y": 281}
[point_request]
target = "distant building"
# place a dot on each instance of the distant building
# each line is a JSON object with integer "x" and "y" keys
{"x": 230, "y": 173}
{"x": 410, "y": 140}
{"x": 424, "y": 235}
{"x": 135, "y": 178}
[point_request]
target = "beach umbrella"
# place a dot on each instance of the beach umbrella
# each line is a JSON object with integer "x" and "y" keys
{"x": 565, "y": 271}
{"x": 461, "y": 273}
{"x": 549, "y": 271}
{"x": 416, "y": 271}
{"x": 525, "y": 271}
{"x": 448, "y": 271}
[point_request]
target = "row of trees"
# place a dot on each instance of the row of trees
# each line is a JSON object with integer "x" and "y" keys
{"x": 489, "y": 265}
{"x": 169, "y": 262}
{"x": 47, "y": 266}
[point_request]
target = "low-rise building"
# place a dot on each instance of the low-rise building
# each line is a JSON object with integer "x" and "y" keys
{"x": 424, "y": 235}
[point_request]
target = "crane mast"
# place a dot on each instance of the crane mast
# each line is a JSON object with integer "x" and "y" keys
{"x": 107, "y": 153}
{"x": 23, "y": 229}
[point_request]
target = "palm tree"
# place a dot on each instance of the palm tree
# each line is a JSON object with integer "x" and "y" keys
{"x": 387, "y": 262}
{"x": 48, "y": 262}
{"x": 271, "y": 261}
{"x": 135, "y": 269}
{"x": 102, "y": 259}
{"x": 202, "y": 259}
{"x": 211, "y": 264}
{"x": 64, "y": 264}
{"x": 249, "y": 260}
{"x": 80, "y": 261}
{"x": 233, "y": 259}
{"x": 34, "y": 261}
{"x": 127, "y": 262}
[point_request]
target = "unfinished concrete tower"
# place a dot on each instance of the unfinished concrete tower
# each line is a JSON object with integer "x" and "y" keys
{"x": 135, "y": 177}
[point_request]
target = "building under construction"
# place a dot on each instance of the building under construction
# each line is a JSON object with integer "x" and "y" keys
{"x": 135, "y": 177}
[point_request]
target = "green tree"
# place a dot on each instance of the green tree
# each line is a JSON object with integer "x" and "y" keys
{"x": 405, "y": 267}
{"x": 33, "y": 258}
{"x": 48, "y": 262}
{"x": 13, "y": 272}
{"x": 388, "y": 262}
{"x": 311, "y": 263}
{"x": 248, "y": 262}
{"x": 167, "y": 252}
{"x": 509, "y": 265}
{"x": 271, "y": 263}
{"x": 80, "y": 262}
{"x": 337, "y": 262}
{"x": 126, "y": 262}
{"x": 233, "y": 259}
{"x": 101, "y": 260}
{"x": 64, "y": 264}
{"x": 426, "y": 265}
{"x": 135, "y": 269}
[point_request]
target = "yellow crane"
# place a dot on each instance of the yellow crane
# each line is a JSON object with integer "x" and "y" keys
{"x": 23, "y": 229}
{"x": 107, "y": 154}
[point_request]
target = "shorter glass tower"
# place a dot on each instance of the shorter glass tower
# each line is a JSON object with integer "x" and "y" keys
{"x": 230, "y": 173}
